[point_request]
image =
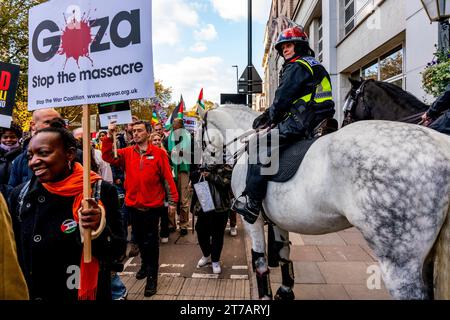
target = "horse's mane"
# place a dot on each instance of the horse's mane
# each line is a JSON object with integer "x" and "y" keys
{"x": 401, "y": 96}
{"x": 237, "y": 107}
{"x": 239, "y": 114}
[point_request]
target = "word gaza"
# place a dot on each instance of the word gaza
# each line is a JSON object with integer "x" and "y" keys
{"x": 53, "y": 42}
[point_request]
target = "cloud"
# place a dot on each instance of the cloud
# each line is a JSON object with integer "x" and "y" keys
{"x": 189, "y": 75}
{"x": 199, "y": 47}
{"x": 208, "y": 33}
{"x": 236, "y": 10}
{"x": 199, "y": 5}
{"x": 169, "y": 16}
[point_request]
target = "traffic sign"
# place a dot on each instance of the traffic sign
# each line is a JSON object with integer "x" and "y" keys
{"x": 247, "y": 86}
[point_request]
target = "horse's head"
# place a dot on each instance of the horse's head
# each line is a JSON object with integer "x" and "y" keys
{"x": 377, "y": 100}
{"x": 211, "y": 140}
{"x": 355, "y": 107}
{"x": 220, "y": 128}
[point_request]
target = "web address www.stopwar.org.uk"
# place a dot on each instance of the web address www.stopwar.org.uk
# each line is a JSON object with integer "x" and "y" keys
{"x": 89, "y": 96}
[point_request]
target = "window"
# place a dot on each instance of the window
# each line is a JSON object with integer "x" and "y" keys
{"x": 355, "y": 11}
{"x": 320, "y": 40}
{"x": 349, "y": 15}
{"x": 388, "y": 68}
{"x": 391, "y": 65}
{"x": 370, "y": 72}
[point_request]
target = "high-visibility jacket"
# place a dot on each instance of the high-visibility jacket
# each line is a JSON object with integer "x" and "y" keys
{"x": 322, "y": 82}
{"x": 303, "y": 98}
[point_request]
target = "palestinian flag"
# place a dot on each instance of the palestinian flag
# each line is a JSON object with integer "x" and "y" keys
{"x": 180, "y": 108}
{"x": 177, "y": 113}
{"x": 200, "y": 102}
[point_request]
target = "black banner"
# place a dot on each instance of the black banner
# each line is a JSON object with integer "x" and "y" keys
{"x": 113, "y": 107}
{"x": 9, "y": 79}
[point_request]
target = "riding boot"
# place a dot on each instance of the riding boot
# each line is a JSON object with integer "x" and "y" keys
{"x": 255, "y": 189}
{"x": 249, "y": 209}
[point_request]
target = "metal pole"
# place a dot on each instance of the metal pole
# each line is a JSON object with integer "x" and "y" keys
{"x": 250, "y": 64}
{"x": 444, "y": 35}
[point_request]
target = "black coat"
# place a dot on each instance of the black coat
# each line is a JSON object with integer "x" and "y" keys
{"x": 47, "y": 255}
{"x": 297, "y": 81}
{"x": 441, "y": 105}
{"x": 20, "y": 172}
{"x": 6, "y": 159}
{"x": 219, "y": 182}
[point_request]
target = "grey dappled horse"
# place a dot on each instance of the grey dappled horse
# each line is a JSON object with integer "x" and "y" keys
{"x": 390, "y": 180}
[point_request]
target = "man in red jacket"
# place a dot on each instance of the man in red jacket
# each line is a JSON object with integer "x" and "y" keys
{"x": 148, "y": 178}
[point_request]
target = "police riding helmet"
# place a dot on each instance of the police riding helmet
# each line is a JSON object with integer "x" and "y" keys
{"x": 295, "y": 35}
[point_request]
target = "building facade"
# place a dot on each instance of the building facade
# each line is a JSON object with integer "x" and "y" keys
{"x": 386, "y": 40}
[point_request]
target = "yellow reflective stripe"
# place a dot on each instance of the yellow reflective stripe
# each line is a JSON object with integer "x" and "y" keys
{"x": 323, "y": 90}
{"x": 326, "y": 85}
{"x": 306, "y": 98}
{"x": 320, "y": 100}
{"x": 306, "y": 65}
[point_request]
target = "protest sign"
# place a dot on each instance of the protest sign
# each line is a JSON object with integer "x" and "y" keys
{"x": 88, "y": 52}
{"x": 190, "y": 123}
{"x": 119, "y": 112}
{"x": 9, "y": 78}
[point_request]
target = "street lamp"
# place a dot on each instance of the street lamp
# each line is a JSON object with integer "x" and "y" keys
{"x": 439, "y": 10}
{"x": 237, "y": 78}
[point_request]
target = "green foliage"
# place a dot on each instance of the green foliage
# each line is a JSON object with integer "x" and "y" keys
{"x": 436, "y": 76}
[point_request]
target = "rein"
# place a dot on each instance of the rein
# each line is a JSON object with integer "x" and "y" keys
{"x": 352, "y": 103}
{"x": 243, "y": 138}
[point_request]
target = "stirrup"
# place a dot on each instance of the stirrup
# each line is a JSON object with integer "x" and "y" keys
{"x": 248, "y": 216}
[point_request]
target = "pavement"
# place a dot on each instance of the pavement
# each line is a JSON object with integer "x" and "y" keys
{"x": 335, "y": 266}
{"x": 180, "y": 279}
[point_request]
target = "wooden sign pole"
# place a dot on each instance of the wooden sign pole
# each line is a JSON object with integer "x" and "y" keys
{"x": 87, "y": 249}
{"x": 115, "y": 145}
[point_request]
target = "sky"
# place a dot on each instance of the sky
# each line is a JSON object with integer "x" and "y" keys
{"x": 196, "y": 43}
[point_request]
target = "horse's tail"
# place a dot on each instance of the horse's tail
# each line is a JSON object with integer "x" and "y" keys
{"x": 442, "y": 262}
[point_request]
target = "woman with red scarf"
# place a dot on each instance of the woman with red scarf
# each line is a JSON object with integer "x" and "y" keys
{"x": 48, "y": 221}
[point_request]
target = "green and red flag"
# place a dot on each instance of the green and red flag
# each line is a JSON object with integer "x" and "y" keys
{"x": 177, "y": 113}
{"x": 180, "y": 108}
{"x": 201, "y": 104}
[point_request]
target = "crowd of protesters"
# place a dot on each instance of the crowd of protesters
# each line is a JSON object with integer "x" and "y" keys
{"x": 145, "y": 184}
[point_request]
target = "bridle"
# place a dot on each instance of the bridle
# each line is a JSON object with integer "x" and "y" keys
{"x": 243, "y": 138}
{"x": 352, "y": 102}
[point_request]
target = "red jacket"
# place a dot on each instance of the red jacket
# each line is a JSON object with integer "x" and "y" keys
{"x": 148, "y": 177}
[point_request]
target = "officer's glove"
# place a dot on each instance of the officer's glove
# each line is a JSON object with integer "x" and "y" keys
{"x": 263, "y": 121}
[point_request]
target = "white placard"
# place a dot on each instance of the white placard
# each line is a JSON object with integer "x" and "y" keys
{"x": 190, "y": 123}
{"x": 89, "y": 51}
{"x": 120, "y": 117}
{"x": 204, "y": 196}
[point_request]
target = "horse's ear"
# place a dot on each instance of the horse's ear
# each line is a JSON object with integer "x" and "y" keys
{"x": 355, "y": 83}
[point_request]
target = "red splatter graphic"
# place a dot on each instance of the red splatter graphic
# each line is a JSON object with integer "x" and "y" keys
{"x": 76, "y": 39}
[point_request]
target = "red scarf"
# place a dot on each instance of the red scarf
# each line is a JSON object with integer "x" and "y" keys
{"x": 72, "y": 186}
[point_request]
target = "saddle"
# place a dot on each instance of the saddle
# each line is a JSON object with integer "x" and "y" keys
{"x": 291, "y": 156}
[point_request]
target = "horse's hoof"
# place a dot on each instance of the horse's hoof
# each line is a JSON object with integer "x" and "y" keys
{"x": 284, "y": 295}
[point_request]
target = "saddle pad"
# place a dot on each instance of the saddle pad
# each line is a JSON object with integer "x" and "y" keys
{"x": 291, "y": 156}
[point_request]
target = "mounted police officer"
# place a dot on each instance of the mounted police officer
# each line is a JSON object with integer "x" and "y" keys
{"x": 303, "y": 100}
{"x": 438, "y": 116}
